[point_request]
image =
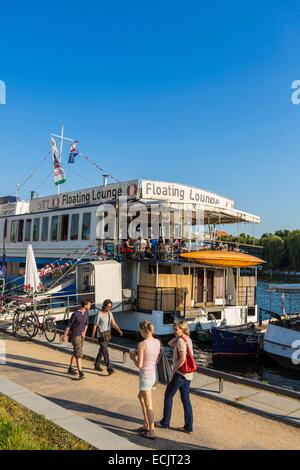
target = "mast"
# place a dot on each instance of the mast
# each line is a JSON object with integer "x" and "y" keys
{"x": 60, "y": 151}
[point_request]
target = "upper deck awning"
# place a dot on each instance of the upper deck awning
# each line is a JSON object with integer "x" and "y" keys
{"x": 212, "y": 215}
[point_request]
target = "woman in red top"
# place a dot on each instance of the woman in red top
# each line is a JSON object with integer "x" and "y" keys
{"x": 181, "y": 381}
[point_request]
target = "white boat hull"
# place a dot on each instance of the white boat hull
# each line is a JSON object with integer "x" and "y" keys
{"x": 283, "y": 345}
{"x": 129, "y": 321}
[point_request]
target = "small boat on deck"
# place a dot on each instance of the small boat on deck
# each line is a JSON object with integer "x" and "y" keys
{"x": 242, "y": 340}
{"x": 227, "y": 259}
{"x": 282, "y": 338}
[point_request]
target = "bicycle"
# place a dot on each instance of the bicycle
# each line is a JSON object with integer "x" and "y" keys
{"x": 22, "y": 325}
{"x": 48, "y": 326}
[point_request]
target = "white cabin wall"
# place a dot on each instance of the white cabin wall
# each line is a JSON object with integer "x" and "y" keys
{"x": 50, "y": 249}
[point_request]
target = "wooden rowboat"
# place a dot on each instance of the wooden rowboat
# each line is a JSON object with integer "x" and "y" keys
{"x": 225, "y": 259}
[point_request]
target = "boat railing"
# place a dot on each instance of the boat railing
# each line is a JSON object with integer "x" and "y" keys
{"x": 66, "y": 300}
{"x": 65, "y": 303}
{"x": 246, "y": 296}
{"x": 169, "y": 250}
{"x": 166, "y": 299}
{"x": 270, "y": 314}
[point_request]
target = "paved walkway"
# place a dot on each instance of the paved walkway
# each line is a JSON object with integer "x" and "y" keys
{"x": 95, "y": 435}
{"x": 245, "y": 397}
{"x": 111, "y": 402}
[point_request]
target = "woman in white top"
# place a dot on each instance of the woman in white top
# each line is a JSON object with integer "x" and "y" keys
{"x": 146, "y": 358}
{"x": 180, "y": 380}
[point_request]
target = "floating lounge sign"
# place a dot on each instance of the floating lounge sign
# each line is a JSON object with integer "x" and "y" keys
{"x": 85, "y": 197}
{"x": 180, "y": 193}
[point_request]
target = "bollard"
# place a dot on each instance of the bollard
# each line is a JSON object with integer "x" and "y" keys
{"x": 221, "y": 385}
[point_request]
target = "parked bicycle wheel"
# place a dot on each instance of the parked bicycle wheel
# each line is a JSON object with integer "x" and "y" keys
{"x": 21, "y": 326}
{"x": 32, "y": 326}
{"x": 15, "y": 322}
{"x": 50, "y": 329}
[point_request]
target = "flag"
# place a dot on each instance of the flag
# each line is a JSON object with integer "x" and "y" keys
{"x": 59, "y": 174}
{"x": 73, "y": 152}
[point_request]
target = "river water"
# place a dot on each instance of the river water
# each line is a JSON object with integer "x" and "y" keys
{"x": 262, "y": 369}
{"x": 273, "y": 301}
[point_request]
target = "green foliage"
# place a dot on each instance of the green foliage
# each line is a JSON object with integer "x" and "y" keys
{"x": 243, "y": 239}
{"x": 281, "y": 248}
{"x": 282, "y": 234}
{"x": 274, "y": 251}
{"x": 293, "y": 247}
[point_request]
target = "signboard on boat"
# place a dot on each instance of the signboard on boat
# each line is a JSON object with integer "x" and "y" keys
{"x": 173, "y": 192}
{"x": 144, "y": 189}
{"x": 13, "y": 208}
{"x": 86, "y": 197}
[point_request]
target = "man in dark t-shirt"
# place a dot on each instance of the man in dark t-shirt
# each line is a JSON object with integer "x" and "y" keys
{"x": 76, "y": 330}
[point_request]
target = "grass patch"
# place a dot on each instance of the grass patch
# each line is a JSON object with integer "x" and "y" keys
{"x": 21, "y": 429}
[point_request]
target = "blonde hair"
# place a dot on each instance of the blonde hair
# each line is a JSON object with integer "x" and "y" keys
{"x": 183, "y": 326}
{"x": 147, "y": 326}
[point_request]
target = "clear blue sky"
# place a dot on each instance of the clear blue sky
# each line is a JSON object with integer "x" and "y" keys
{"x": 195, "y": 92}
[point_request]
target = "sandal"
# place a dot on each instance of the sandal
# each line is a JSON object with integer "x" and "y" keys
{"x": 141, "y": 429}
{"x": 147, "y": 435}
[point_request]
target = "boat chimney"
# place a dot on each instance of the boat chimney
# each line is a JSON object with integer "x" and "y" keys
{"x": 32, "y": 195}
{"x": 105, "y": 178}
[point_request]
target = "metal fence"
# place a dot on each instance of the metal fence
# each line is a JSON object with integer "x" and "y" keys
{"x": 166, "y": 299}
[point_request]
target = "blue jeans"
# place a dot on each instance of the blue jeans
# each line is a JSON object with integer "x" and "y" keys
{"x": 179, "y": 382}
{"x": 103, "y": 351}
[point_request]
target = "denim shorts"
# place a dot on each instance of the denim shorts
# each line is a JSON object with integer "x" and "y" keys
{"x": 147, "y": 383}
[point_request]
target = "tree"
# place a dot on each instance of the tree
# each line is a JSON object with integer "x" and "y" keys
{"x": 266, "y": 235}
{"x": 293, "y": 246}
{"x": 273, "y": 250}
{"x": 282, "y": 234}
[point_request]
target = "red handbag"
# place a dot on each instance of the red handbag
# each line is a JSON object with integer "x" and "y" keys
{"x": 190, "y": 364}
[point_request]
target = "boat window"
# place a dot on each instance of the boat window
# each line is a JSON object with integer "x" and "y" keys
{"x": 86, "y": 226}
{"x": 54, "y": 228}
{"x": 214, "y": 316}
{"x": 74, "y": 226}
{"x": 36, "y": 230}
{"x": 20, "y": 230}
{"x": 45, "y": 226}
{"x": 27, "y": 230}
{"x": 14, "y": 231}
{"x": 64, "y": 227}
